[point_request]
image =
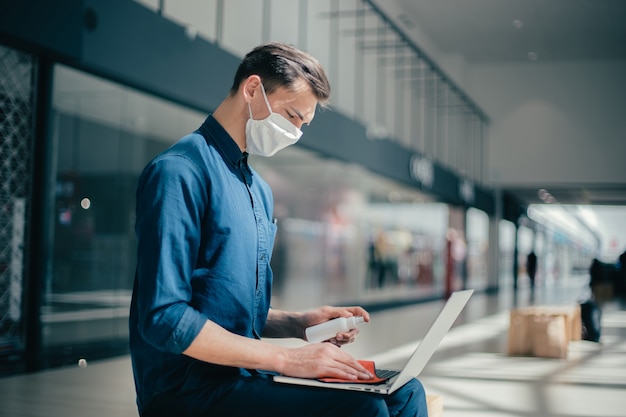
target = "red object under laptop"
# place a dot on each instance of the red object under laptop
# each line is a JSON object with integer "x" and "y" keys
{"x": 369, "y": 365}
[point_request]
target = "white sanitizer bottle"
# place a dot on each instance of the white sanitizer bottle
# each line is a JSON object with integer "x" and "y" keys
{"x": 329, "y": 329}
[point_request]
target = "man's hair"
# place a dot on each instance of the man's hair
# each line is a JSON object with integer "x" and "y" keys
{"x": 281, "y": 65}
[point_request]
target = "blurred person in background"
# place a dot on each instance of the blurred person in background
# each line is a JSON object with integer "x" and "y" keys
{"x": 531, "y": 269}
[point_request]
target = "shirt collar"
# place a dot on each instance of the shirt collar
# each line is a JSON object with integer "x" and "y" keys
{"x": 215, "y": 134}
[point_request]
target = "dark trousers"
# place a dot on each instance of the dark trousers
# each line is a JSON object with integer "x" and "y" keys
{"x": 259, "y": 396}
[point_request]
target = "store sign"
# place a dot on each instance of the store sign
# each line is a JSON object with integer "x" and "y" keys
{"x": 422, "y": 170}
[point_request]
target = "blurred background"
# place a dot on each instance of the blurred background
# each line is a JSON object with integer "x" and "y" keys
{"x": 460, "y": 138}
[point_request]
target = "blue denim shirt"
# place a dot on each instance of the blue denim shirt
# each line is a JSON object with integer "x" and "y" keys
{"x": 205, "y": 235}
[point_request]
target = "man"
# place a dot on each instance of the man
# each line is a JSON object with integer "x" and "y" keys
{"x": 203, "y": 282}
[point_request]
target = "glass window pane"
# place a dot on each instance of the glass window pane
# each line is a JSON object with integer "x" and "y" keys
{"x": 477, "y": 248}
{"x": 104, "y": 135}
{"x": 347, "y": 234}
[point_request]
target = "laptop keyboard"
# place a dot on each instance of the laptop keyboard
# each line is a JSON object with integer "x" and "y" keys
{"x": 386, "y": 373}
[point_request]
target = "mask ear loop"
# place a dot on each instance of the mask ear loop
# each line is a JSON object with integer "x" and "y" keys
{"x": 266, "y": 102}
{"x": 265, "y": 97}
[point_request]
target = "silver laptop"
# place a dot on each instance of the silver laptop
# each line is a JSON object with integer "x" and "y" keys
{"x": 415, "y": 364}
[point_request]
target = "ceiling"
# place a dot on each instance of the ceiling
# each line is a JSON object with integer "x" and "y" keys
{"x": 510, "y": 31}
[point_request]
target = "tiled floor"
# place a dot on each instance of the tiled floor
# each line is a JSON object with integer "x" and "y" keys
{"x": 470, "y": 369}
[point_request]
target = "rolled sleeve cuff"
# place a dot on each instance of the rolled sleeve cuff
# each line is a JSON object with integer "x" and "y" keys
{"x": 187, "y": 330}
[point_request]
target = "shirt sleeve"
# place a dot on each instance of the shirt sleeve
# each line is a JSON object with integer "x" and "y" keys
{"x": 171, "y": 199}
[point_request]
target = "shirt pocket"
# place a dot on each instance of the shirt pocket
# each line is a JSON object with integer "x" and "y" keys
{"x": 272, "y": 230}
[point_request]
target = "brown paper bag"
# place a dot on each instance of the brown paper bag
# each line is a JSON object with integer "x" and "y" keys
{"x": 549, "y": 336}
{"x": 519, "y": 337}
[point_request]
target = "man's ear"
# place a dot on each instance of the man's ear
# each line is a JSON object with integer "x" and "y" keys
{"x": 250, "y": 87}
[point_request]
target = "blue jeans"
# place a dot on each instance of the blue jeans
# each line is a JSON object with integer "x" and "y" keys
{"x": 259, "y": 396}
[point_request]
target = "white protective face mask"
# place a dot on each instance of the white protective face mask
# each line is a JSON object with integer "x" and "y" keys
{"x": 267, "y": 136}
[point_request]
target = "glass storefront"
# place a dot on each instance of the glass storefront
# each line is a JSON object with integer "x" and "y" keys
{"x": 346, "y": 234}
{"x": 16, "y": 153}
{"x": 103, "y": 135}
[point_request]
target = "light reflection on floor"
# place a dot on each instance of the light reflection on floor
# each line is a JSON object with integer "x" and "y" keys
{"x": 591, "y": 381}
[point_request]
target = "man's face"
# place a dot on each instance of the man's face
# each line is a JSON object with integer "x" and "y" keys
{"x": 297, "y": 104}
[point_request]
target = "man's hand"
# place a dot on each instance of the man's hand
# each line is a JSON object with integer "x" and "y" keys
{"x": 326, "y": 313}
{"x": 319, "y": 360}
